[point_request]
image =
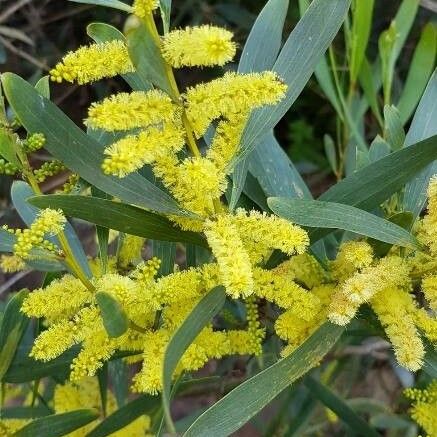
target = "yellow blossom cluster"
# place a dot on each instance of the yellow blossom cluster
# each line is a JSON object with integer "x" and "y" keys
{"x": 93, "y": 62}
{"x": 198, "y": 46}
{"x": 143, "y": 8}
{"x": 49, "y": 222}
{"x": 424, "y": 408}
{"x": 11, "y": 263}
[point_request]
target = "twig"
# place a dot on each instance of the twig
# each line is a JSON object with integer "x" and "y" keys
{"x": 24, "y": 55}
{"x": 429, "y": 4}
{"x": 10, "y": 282}
{"x": 14, "y": 7}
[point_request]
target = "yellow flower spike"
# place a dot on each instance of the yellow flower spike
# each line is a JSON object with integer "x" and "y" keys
{"x": 49, "y": 222}
{"x": 393, "y": 307}
{"x": 54, "y": 341}
{"x": 62, "y": 298}
{"x": 93, "y": 62}
{"x": 130, "y": 250}
{"x": 149, "y": 379}
{"x": 232, "y": 258}
{"x": 233, "y": 94}
{"x": 277, "y": 288}
{"x": 199, "y": 46}
{"x": 429, "y": 287}
{"x": 11, "y": 263}
{"x": 352, "y": 256}
{"x": 146, "y": 271}
{"x": 341, "y": 309}
{"x": 428, "y": 234}
{"x": 261, "y": 232}
{"x": 132, "y": 152}
{"x": 424, "y": 408}
{"x": 198, "y": 181}
{"x": 126, "y": 111}
{"x": 96, "y": 350}
{"x": 304, "y": 269}
{"x": 143, "y": 8}
{"x": 426, "y": 323}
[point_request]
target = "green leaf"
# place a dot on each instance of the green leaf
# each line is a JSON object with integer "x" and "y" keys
{"x": 232, "y": 411}
{"x": 114, "y": 318}
{"x": 422, "y": 126}
{"x": 7, "y": 149}
{"x": 361, "y": 25}
{"x": 329, "y": 215}
{"x": 259, "y": 54}
{"x": 264, "y": 40}
{"x": 430, "y": 361}
{"x": 378, "y": 149}
{"x": 7, "y": 241}
{"x": 78, "y": 151}
{"x": 421, "y": 68}
{"x": 20, "y": 193}
{"x": 199, "y": 317}
{"x": 330, "y": 152}
{"x": 404, "y": 21}
{"x": 368, "y": 188}
{"x": 387, "y": 53}
{"x": 13, "y": 325}
{"x": 24, "y": 412}
{"x": 118, "y": 216}
{"x": 147, "y": 59}
{"x": 125, "y": 415}
{"x": 43, "y": 86}
{"x": 305, "y": 47}
{"x": 102, "y": 32}
{"x": 370, "y": 88}
{"x": 58, "y": 425}
{"x": 340, "y": 408}
{"x": 115, "y": 4}
{"x": 275, "y": 171}
{"x": 165, "y": 7}
{"x": 394, "y": 131}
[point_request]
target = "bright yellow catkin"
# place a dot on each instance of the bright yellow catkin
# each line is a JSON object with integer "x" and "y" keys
{"x": 233, "y": 94}
{"x": 232, "y": 258}
{"x": 62, "y": 298}
{"x": 352, "y": 256}
{"x": 261, "y": 232}
{"x": 393, "y": 307}
{"x": 143, "y": 8}
{"x": 198, "y": 46}
{"x": 391, "y": 271}
{"x": 133, "y": 152}
{"x": 194, "y": 183}
{"x": 424, "y": 408}
{"x": 125, "y": 111}
{"x": 49, "y": 222}
{"x": 93, "y": 62}
{"x": 11, "y": 263}
{"x": 130, "y": 249}
{"x": 429, "y": 222}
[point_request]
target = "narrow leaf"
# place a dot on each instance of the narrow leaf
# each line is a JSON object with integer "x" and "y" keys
{"x": 368, "y": 188}
{"x": 125, "y": 415}
{"x": 57, "y": 425}
{"x": 305, "y": 47}
{"x": 13, "y": 325}
{"x": 115, "y": 4}
{"x": 264, "y": 40}
{"x": 199, "y": 317}
{"x": 43, "y": 86}
{"x": 329, "y": 215}
{"x": 340, "y": 408}
{"x": 421, "y": 68}
{"x": 118, "y": 216}
{"x": 114, "y": 318}
{"x": 360, "y": 32}
{"x": 422, "y": 126}
{"x": 241, "y": 404}
{"x": 394, "y": 131}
